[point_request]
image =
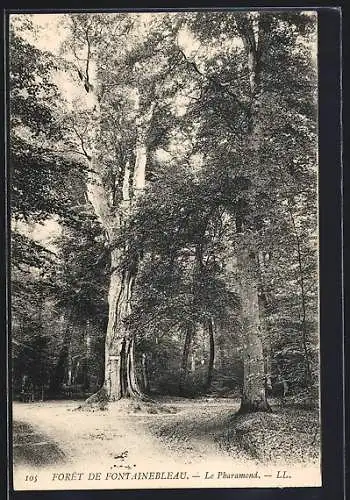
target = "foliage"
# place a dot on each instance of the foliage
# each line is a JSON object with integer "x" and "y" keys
{"x": 44, "y": 187}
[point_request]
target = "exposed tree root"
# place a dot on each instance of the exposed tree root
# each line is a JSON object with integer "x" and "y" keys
{"x": 99, "y": 400}
{"x": 134, "y": 403}
{"x": 251, "y": 408}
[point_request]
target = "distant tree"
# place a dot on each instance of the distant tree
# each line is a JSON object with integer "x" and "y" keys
{"x": 80, "y": 295}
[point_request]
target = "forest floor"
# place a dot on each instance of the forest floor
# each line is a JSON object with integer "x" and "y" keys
{"x": 188, "y": 432}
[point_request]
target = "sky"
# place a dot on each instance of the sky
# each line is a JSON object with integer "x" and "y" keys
{"x": 50, "y": 31}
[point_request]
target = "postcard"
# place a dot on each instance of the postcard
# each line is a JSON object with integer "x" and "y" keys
{"x": 164, "y": 249}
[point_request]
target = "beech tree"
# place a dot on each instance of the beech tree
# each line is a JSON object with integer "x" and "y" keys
{"x": 261, "y": 79}
{"x": 121, "y": 113}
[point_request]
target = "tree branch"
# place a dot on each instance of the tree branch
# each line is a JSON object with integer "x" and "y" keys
{"x": 88, "y": 56}
{"x": 217, "y": 84}
{"x": 81, "y": 143}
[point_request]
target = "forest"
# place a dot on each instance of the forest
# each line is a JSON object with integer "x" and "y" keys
{"x": 164, "y": 221}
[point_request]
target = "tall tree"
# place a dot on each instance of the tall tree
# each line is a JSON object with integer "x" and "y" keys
{"x": 255, "y": 75}
{"x": 123, "y": 99}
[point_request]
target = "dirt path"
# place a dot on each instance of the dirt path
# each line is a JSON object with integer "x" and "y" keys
{"x": 116, "y": 439}
{"x": 106, "y": 438}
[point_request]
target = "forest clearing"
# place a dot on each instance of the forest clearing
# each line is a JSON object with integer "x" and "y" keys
{"x": 164, "y": 243}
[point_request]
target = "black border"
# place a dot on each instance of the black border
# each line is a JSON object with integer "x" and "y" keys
{"x": 330, "y": 213}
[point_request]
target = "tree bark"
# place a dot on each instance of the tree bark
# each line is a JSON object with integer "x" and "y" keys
{"x": 255, "y": 34}
{"x": 120, "y": 371}
{"x": 253, "y": 395}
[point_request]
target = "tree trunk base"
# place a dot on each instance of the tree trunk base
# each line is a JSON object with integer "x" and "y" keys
{"x": 254, "y": 406}
{"x": 124, "y": 405}
{"x": 100, "y": 400}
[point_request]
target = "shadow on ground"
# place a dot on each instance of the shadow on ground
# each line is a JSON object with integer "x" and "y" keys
{"x": 33, "y": 448}
{"x": 288, "y": 435}
{"x": 200, "y": 430}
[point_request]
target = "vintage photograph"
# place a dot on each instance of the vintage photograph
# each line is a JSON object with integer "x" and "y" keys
{"x": 164, "y": 241}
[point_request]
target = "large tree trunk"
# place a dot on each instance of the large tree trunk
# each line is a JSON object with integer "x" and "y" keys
{"x": 254, "y": 30}
{"x": 115, "y": 381}
{"x": 120, "y": 378}
{"x": 120, "y": 365}
{"x": 253, "y": 395}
